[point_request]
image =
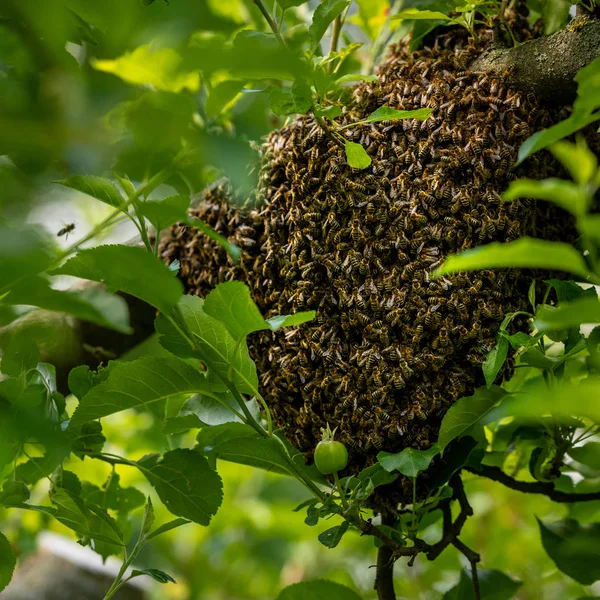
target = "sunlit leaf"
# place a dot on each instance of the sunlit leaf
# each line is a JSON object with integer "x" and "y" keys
{"x": 323, "y": 16}
{"x": 525, "y": 252}
{"x": 571, "y": 314}
{"x": 409, "y": 462}
{"x": 580, "y": 161}
{"x": 495, "y": 360}
{"x": 565, "y": 194}
{"x": 98, "y": 187}
{"x": 415, "y": 14}
{"x": 357, "y": 156}
{"x": 163, "y": 213}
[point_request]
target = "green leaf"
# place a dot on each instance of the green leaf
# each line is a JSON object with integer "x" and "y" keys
{"x": 588, "y": 455}
{"x": 571, "y": 314}
{"x": 214, "y": 345}
{"x": 185, "y": 483}
{"x": 357, "y": 156}
{"x": 495, "y": 360}
{"x": 409, "y": 462}
{"x": 466, "y": 412}
{"x": 232, "y": 304}
{"x": 574, "y": 548}
{"x": 98, "y": 187}
{"x": 329, "y": 112}
{"x": 493, "y": 585}
{"x": 23, "y": 252}
{"x": 546, "y": 137}
{"x": 285, "y": 4}
{"x": 565, "y": 194}
{"x": 296, "y": 99}
{"x": 387, "y": 113}
{"x": 525, "y": 252}
{"x": 8, "y": 562}
{"x": 580, "y": 161}
{"x": 174, "y": 524}
{"x": 221, "y": 95}
{"x": 113, "y": 496}
{"x": 414, "y": 14}
{"x": 128, "y": 269}
{"x": 555, "y": 14}
{"x": 231, "y": 249}
{"x": 318, "y": 589}
{"x": 239, "y": 443}
{"x": 156, "y": 574}
{"x": 158, "y": 67}
{"x": 352, "y": 77}
{"x": 590, "y": 226}
{"x": 20, "y": 355}
{"x": 14, "y": 492}
{"x": 94, "y": 304}
{"x": 163, "y": 213}
{"x": 333, "y": 536}
{"x": 139, "y": 384}
{"x": 323, "y": 16}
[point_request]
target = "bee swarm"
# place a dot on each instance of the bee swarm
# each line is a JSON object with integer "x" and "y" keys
{"x": 391, "y": 348}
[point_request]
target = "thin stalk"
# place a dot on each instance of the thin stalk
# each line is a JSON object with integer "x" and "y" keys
{"x": 333, "y": 135}
{"x": 335, "y": 36}
{"x": 340, "y": 491}
{"x": 270, "y": 21}
{"x": 117, "y": 583}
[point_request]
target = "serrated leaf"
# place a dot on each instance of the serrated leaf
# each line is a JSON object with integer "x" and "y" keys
{"x": 98, "y": 187}
{"x": 323, "y": 16}
{"x": 8, "y": 562}
{"x": 163, "y": 213}
{"x": 409, "y": 462}
{"x": 156, "y": 574}
{"x": 14, "y": 492}
{"x": 467, "y": 411}
{"x": 140, "y": 383}
{"x": 20, "y": 355}
{"x": 213, "y": 344}
{"x": 333, "y": 536}
{"x": 128, "y": 269}
{"x": 495, "y": 360}
{"x": 357, "y": 156}
{"x": 318, "y": 589}
{"x": 574, "y": 548}
{"x": 185, "y": 483}
{"x": 523, "y": 253}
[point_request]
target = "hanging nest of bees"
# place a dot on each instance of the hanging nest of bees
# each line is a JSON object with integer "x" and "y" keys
{"x": 391, "y": 348}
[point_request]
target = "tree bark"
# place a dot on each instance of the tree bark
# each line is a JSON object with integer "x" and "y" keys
{"x": 547, "y": 66}
{"x": 384, "y": 579}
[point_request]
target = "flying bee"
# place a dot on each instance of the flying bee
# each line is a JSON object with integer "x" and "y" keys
{"x": 66, "y": 230}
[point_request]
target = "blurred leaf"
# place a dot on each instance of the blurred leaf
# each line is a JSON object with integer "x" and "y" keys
{"x": 565, "y": 194}
{"x": 163, "y": 213}
{"x": 588, "y": 92}
{"x": 580, "y": 161}
{"x": 38, "y": 467}
{"x": 455, "y": 457}
{"x": 409, "y": 462}
{"x": 214, "y": 345}
{"x": 23, "y": 252}
{"x": 14, "y": 492}
{"x": 495, "y": 360}
{"x": 555, "y": 14}
{"x": 93, "y": 304}
{"x": 574, "y": 548}
{"x": 357, "y": 156}
{"x": 231, "y": 249}
{"x": 139, "y": 384}
{"x": 285, "y": 4}
{"x": 414, "y": 14}
{"x": 113, "y": 496}
{"x": 571, "y": 314}
{"x": 19, "y": 356}
{"x": 8, "y": 562}
{"x": 566, "y": 291}
{"x": 98, "y": 187}
{"x": 318, "y": 589}
{"x": 128, "y": 269}
{"x": 159, "y": 68}
{"x": 589, "y": 454}
{"x": 185, "y": 483}
{"x": 493, "y": 585}
{"x": 329, "y": 112}
{"x": 221, "y": 95}
{"x": 467, "y": 411}
{"x": 291, "y": 100}
{"x": 590, "y": 226}
{"x": 333, "y": 536}
{"x": 156, "y": 574}
{"x": 352, "y": 77}
{"x": 525, "y": 252}
{"x": 323, "y": 16}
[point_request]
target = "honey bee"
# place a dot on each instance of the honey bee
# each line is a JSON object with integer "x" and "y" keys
{"x": 68, "y": 228}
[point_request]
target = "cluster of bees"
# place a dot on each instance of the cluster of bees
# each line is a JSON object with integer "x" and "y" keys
{"x": 391, "y": 348}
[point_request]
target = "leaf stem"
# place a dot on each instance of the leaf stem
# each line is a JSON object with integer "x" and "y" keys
{"x": 259, "y": 4}
{"x": 340, "y": 490}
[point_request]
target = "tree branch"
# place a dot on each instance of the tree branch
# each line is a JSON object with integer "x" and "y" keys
{"x": 533, "y": 487}
{"x": 384, "y": 579}
{"x": 547, "y": 66}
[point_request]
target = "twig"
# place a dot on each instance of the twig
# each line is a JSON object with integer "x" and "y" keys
{"x": 533, "y": 487}
{"x": 384, "y": 579}
{"x": 270, "y": 21}
{"x": 332, "y": 135}
{"x": 335, "y": 36}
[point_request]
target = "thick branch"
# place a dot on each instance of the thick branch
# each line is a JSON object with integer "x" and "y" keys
{"x": 533, "y": 487}
{"x": 547, "y": 66}
{"x": 384, "y": 580}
